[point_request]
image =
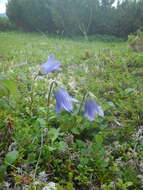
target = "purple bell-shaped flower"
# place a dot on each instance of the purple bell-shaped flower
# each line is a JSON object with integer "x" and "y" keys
{"x": 50, "y": 65}
{"x": 64, "y": 101}
{"x": 91, "y": 109}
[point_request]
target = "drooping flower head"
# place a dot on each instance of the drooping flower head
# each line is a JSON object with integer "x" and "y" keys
{"x": 63, "y": 101}
{"x": 91, "y": 109}
{"x": 50, "y": 65}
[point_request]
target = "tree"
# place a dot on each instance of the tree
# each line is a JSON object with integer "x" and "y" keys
{"x": 31, "y": 14}
{"x": 72, "y": 16}
{"x": 129, "y": 17}
{"x": 77, "y": 17}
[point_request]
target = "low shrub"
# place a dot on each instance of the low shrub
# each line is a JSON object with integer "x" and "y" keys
{"x": 5, "y": 24}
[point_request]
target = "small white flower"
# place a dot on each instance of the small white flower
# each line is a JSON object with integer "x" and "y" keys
{"x": 50, "y": 186}
{"x": 46, "y": 188}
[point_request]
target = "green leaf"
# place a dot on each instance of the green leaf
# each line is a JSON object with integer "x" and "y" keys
{"x": 128, "y": 184}
{"x": 3, "y": 90}
{"x": 75, "y": 131}
{"x": 111, "y": 104}
{"x": 51, "y": 148}
{"x": 129, "y": 90}
{"x": 11, "y": 157}
{"x": 54, "y": 134}
{"x": 61, "y": 146}
{"x": 11, "y": 85}
{"x": 3, "y": 169}
{"x": 41, "y": 122}
{"x": 98, "y": 139}
{"x": 8, "y": 86}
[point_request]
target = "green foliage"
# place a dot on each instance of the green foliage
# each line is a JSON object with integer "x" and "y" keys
{"x": 136, "y": 38}
{"x": 38, "y": 146}
{"x": 136, "y": 41}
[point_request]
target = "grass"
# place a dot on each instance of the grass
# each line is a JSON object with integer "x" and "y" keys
{"x": 67, "y": 149}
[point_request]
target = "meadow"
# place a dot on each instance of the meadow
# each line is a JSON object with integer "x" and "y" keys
{"x": 39, "y": 146}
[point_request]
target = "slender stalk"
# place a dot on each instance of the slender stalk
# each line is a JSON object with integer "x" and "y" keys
{"x": 50, "y": 91}
{"x": 40, "y": 153}
{"x": 83, "y": 100}
{"x": 10, "y": 165}
{"x": 35, "y": 77}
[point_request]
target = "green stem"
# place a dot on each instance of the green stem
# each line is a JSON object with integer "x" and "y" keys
{"x": 50, "y": 91}
{"x": 39, "y": 157}
{"x": 83, "y": 100}
{"x": 10, "y": 165}
{"x": 35, "y": 77}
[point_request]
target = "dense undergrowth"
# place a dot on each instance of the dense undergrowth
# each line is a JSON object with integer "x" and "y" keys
{"x": 38, "y": 146}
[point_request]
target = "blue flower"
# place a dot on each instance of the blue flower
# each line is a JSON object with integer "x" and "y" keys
{"x": 49, "y": 66}
{"x": 91, "y": 109}
{"x": 63, "y": 101}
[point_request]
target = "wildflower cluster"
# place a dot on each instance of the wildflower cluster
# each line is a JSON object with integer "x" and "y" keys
{"x": 63, "y": 99}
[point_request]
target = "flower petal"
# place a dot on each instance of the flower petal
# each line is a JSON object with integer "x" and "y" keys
{"x": 50, "y": 65}
{"x": 91, "y": 109}
{"x": 74, "y": 100}
{"x": 51, "y": 57}
{"x": 100, "y": 111}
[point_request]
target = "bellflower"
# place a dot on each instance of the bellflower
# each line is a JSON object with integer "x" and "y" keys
{"x": 91, "y": 109}
{"x": 50, "y": 65}
{"x": 63, "y": 101}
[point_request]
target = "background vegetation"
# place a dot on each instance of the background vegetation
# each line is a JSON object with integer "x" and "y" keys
{"x": 77, "y": 17}
{"x": 38, "y": 147}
